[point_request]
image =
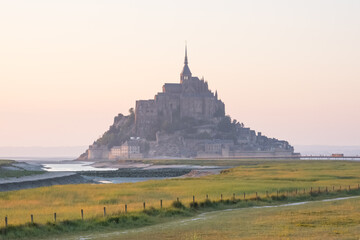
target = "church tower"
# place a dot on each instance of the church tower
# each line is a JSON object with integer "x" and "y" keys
{"x": 186, "y": 73}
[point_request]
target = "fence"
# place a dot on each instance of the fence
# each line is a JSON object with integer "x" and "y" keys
{"x": 243, "y": 196}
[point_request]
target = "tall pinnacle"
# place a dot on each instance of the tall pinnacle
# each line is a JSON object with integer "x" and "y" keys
{"x": 186, "y": 73}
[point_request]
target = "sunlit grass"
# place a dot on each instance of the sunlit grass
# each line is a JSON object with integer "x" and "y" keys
{"x": 6, "y": 162}
{"x": 68, "y": 200}
{"x": 6, "y": 173}
{"x": 316, "y": 220}
{"x": 119, "y": 224}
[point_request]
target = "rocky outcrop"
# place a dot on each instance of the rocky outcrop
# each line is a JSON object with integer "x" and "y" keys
{"x": 186, "y": 119}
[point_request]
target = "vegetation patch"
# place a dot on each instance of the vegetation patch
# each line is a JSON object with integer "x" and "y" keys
{"x": 109, "y": 201}
{"x": 178, "y": 205}
{"x": 151, "y": 215}
{"x": 6, "y": 162}
{"x": 6, "y": 173}
{"x": 8, "y": 170}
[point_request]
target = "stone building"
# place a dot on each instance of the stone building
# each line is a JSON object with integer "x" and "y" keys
{"x": 191, "y": 98}
{"x": 129, "y": 150}
{"x": 98, "y": 152}
{"x": 215, "y": 148}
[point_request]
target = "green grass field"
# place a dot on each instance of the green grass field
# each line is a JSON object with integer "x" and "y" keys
{"x": 133, "y": 225}
{"x": 5, "y": 162}
{"x": 256, "y": 176}
{"x": 6, "y": 173}
{"x": 210, "y": 162}
{"x": 316, "y": 220}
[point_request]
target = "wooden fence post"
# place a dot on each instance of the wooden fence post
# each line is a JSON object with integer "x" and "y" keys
{"x": 104, "y": 211}
{"x": 193, "y": 199}
{"x": 177, "y": 199}
{"x": 55, "y": 217}
{"x": 6, "y": 222}
{"x": 160, "y": 203}
{"x": 349, "y": 188}
{"x": 221, "y": 197}
{"x": 144, "y": 205}
{"x": 82, "y": 214}
{"x": 32, "y": 219}
{"x": 125, "y": 208}
{"x": 207, "y": 197}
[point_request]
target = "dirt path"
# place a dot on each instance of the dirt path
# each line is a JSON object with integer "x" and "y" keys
{"x": 201, "y": 217}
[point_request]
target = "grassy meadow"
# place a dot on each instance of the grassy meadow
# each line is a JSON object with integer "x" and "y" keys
{"x": 315, "y": 220}
{"x": 67, "y": 200}
{"x": 210, "y": 162}
{"x": 7, "y": 173}
{"x": 5, "y": 162}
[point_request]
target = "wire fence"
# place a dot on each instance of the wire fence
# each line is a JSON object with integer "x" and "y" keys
{"x": 192, "y": 201}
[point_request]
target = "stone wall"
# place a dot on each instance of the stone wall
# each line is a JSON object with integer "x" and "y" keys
{"x": 146, "y": 117}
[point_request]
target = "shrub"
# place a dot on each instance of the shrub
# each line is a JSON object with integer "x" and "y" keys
{"x": 280, "y": 197}
{"x": 194, "y": 205}
{"x": 178, "y": 204}
{"x": 151, "y": 211}
{"x": 207, "y": 203}
{"x": 314, "y": 194}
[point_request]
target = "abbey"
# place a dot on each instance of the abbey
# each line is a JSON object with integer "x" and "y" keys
{"x": 191, "y": 98}
{"x": 187, "y": 120}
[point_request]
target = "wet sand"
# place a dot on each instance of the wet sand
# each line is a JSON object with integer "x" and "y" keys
{"x": 125, "y": 170}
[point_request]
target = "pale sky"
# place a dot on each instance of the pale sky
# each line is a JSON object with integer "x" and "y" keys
{"x": 288, "y": 69}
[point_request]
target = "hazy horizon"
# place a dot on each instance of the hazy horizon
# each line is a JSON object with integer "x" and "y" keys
{"x": 71, "y": 152}
{"x": 287, "y": 69}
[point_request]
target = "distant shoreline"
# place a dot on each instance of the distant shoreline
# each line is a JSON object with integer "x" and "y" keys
{"x": 122, "y": 173}
{"x": 55, "y": 154}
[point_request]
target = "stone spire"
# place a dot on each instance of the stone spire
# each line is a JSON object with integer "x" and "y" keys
{"x": 186, "y": 73}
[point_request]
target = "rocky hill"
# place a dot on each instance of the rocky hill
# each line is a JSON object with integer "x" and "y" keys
{"x": 186, "y": 119}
